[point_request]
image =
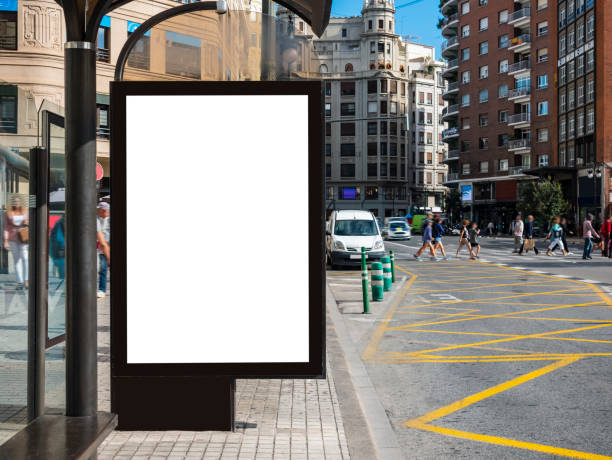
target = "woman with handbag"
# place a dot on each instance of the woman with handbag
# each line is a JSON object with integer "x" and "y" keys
{"x": 16, "y": 239}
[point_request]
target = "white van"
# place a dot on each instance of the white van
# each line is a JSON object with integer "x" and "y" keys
{"x": 348, "y": 232}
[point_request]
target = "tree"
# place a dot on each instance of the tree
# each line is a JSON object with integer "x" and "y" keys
{"x": 452, "y": 204}
{"x": 542, "y": 199}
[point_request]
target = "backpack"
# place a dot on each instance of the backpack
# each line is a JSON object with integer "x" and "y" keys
{"x": 57, "y": 240}
{"x": 557, "y": 233}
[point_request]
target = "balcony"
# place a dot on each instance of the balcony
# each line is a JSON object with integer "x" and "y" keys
{"x": 449, "y": 25}
{"x": 103, "y": 55}
{"x": 520, "y": 68}
{"x": 519, "y": 120}
{"x": 451, "y": 68}
{"x": 448, "y": 6}
{"x": 518, "y": 145}
{"x": 520, "y": 43}
{"x": 451, "y": 177}
{"x": 451, "y": 89}
{"x": 516, "y": 170}
{"x": 518, "y": 95}
{"x": 450, "y": 45}
{"x": 520, "y": 17}
{"x": 450, "y": 112}
{"x": 451, "y": 155}
{"x": 450, "y": 133}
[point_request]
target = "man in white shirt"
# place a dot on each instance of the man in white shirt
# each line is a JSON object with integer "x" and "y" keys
{"x": 517, "y": 232}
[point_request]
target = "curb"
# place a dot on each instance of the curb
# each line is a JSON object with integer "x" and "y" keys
{"x": 383, "y": 444}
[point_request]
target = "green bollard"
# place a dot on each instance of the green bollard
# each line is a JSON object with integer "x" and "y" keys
{"x": 386, "y": 263}
{"x": 392, "y": 266}
{"x": 364, "y": 282}
{"x": 377, "y": 281}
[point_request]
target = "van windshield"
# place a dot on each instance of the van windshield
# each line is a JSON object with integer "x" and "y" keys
{"x": 395, "y": 224}
{"x": 355, "y": 228}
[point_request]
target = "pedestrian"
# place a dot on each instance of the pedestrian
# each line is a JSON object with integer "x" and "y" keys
{"x": 428, "y": 219}
{"x": 528, "y": 237}
{"x": 517, "y": 232}
{"x": 437, "y": 231}
{"x": 490, "y": 228}
{"x": 103, "y": 236}
{"x": 464, "y": 237}
{"x": 474, "y": 245}
{"x": 606, "y": 234}
{"x": 427, "y": 238}
{"x": 57, "y": 248}
{"x": 588, "y": 232}
{"x": 566, "y": 231}
{"x": 16, "y": 235}
{"x": 556, "y": 237}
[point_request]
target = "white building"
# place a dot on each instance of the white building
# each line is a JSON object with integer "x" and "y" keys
{"x": 383, "y": 104}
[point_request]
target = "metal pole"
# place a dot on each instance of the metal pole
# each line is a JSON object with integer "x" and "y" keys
{"x": 268, "y": 41}
{"x": 364, "y": 282}
{"x": 81, "y": 343}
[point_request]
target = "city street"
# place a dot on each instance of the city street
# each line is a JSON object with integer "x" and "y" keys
{"x": 475, "y": 359}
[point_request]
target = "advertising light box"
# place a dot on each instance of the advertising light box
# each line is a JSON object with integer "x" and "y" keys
{"x": 217, "y": 236}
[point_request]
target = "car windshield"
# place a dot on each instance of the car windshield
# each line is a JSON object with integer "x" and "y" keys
{"x": 400, "y": 225}
{"x": 355, "y": 228}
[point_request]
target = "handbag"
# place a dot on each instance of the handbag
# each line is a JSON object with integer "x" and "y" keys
{"x": 23, "y": 234}
{"x": 529, "y": 244}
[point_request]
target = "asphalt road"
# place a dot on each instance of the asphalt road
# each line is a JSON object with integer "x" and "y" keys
{"x": 480, "y": 360}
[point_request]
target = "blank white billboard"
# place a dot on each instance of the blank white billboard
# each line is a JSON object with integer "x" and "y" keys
{"x": 217, "y": 228}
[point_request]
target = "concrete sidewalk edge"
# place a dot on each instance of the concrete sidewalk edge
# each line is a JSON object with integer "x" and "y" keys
{"x": 383, "y": 439}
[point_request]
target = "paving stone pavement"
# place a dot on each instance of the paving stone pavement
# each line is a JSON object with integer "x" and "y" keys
{"x": 276, "y": 420}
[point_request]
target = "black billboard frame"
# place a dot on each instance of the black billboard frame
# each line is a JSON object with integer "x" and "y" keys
{"x": 316, "y": 366}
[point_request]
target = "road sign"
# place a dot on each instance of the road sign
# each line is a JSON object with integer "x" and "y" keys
{"x": 99, "y": 171}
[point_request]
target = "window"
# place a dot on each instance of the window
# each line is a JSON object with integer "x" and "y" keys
{"x": 502, "y": 140}
{"x": 580, "y": 34}
{"x": 562, "y": 129}
{"x": 483, "y": 71}
{"x": 383, "y": 148}
{"x": 328, "y": 130}
{"x": 388, "y": 48}
{"x": 465, "y": 168}
{"x": 429, "y": 118}
{"x": 8, "y": 29}
{"x": 328, "y": 88}
{"x": 421, "y": 97}
{"x": 562, "y": 75}
{"x": 502, "y": 41}
{"x": 483, "y": 24}
{"x": 347, "y": 88}
{"x": 429, "y": 138}
{"x": 347, "y": 108}
{"x": 383, "y": 86}
{"x": 328, "y": 151}
{"x": 542, "y": 135}
{"x": 372, "y": 107}
{"x": 484, "y": 166}
{"x": 590, "y": 60}
{"x": 390, "y": 25}
{"x": 465, "y": 146}
{"x": 571, "y": 101}
{"x": 542, "y": 81}
{"x": 503, "y": 66}
{"x": 381, "y": 24}
{"x": 370, "y": 24}
{"x": 383, "y": 128}
{"x": 430, "y": 98}
{"x": 483, "y": 120}
{"x": 543, "y": 108}
{"x": 465, "y": 31}
{"x": 372, "y": 128}
{"x": 590, "y": 27}
{"x": 372, "y": 172}
{"x": 562, "y": 155}
{"x": 465, "y": 123}
{"x": 502, "y": 116}
{"x": 347, "y": 129}
{"x": 421, "y": 137}
{"x": 465, "y": 100}
{"x": 421, "y": 117}
{"x": 562, "y": 49}
{"x": 183, "y": 55}
{"x": 542, "y": 160}
{"x": 580, "y": 128}
{"x": 328, "y": 171}
{"x": 344, "y": 32}
{"x": 327, "y": 109}
{"x": 562, "y": 18}
{"x": 483, "y": 96}
{"x": 372, "y": 86}
{"x": 393, "y": 86}
{"x": 570, "y": 71}
{"x": 502, "y": 91}
{"x": 502, "y": 16}
{"x": 571, "y": 36}
{"x": 428, "y": 178}
{"x": 465, "y": 7}
{"x": 383, "y": 106}
{"x": 393, "y": 149}
{"x": 347, "y": 170}
{"x": 542, "y": 54}
{"x": 8, "y": 110}
{"x": 372, "y": 150}
{"x": 347, "y": 150}
{"x": 503, "y": 165}
{"x": 393, "y": 128}
{"x": 465, "y": 77}
{"x": 465, "y": 54}
{"x": 562, "y": 102}
{"x": 393, "y": 107}
{"x": 483, "y": 143}
{"x": 372, "y": 47}
{"x": 542, "y": 4}
{"x": 102, "y": 41}
{"x": 542, "y": 28}
{"x": 381, "y": 47}
{"x": 590, "y": 90}
{"x": 579, "y": 66}
{"x": 483, "y": 48}
{"x": 590, "y": 120}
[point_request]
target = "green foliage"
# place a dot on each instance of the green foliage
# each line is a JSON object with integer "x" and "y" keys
{"x": 542, "y": 199}
{"x": 440, "y": 23}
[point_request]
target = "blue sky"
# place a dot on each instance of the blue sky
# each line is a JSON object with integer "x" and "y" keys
{"x": 418, "y": 19}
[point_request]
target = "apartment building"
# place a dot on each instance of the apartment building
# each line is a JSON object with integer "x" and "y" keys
{"x": 383, "y": 105}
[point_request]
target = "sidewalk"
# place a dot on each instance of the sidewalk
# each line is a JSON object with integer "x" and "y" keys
{"x": 276, "y": 419}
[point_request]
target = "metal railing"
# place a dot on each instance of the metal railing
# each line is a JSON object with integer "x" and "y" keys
{"x": 450, "y": 109}
{"x": 519, "y": 14}
{"x": 449, "y": 19}
{"x": 518, "y": 66}
{"x": 519, "y": 118}
{"x": 452, "y": 154}
{"x": 519, "y": 144}
{"x": 103, "y": 132}
{"x": 450, "y": 42}
{"x": 451, "y": 87}
{"x": 452, "y": 63}
{"x": 450, "y": 132}
{"x": 452, "y": 176}
{"x": 103, "y": 55}
{"x": 520, "y": 39}
{"x": 516, "y": 170}
{"x": 519, "y": 92}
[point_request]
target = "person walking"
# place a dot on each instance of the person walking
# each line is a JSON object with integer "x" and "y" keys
{"x": 474, "y": 244}
{"x": 464, "y": 238}
{"x": 604, "y": 232}
{"x": 490, "y": 228}
{"x": 103, "y": 236}
{"x": 437, "y": 231}
{"x": 528, "y": 237}
{"x": 556, "y": 237}
{"x": 57, "y": 248}
{"x": 427, "y": 238}
{"x": 566, "y": 231}
{"x": 16, "y": 239}
{"x": 588, "y": 232}
{"x": 517, "y": 232}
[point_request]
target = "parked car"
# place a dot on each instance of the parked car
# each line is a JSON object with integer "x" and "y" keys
{"x": 348, "y": 232}
{"x": 398, "y": 229}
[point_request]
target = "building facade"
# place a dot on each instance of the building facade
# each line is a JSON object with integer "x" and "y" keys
{"x": 383, "y": 112}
